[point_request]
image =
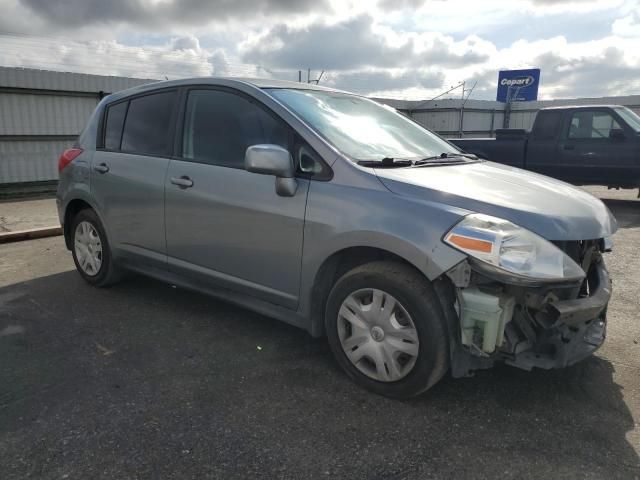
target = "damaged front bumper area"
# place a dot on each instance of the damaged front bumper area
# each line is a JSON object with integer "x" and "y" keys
{"x": 544, "y": 326}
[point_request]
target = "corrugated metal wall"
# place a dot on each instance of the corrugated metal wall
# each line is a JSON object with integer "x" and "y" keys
{"x": 42, "y": 112}
{"x": 36, "y": 114}
{"x": 30, "y": 160}
{"x": 65, "y": 81}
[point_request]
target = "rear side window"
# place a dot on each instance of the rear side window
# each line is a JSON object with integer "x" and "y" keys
{"x": 547, "y": 125}
{"x": 147, "y": 124}
{"x": 219, "y": 126}
{"x": 113, "y": 125}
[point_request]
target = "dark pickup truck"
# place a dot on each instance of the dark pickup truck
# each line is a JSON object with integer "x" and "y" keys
{"x": 585, "y": 145}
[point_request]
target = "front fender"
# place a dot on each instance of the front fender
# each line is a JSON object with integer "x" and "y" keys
{"x": 339, "y": 217}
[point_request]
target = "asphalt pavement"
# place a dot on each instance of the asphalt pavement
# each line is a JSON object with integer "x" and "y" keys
{"x": 143, "y": 380}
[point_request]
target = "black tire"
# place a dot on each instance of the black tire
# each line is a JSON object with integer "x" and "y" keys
{"x": 108, "y": 273}
{"x": 420, "y": 300}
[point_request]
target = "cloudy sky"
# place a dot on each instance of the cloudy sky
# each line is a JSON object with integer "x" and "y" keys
{"x": 398, "y": 48}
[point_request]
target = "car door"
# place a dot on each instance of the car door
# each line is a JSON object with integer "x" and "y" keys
{"x": 226, "y": 226}
{"x": 128, "y": 174}
{"x": 597, "y": 157}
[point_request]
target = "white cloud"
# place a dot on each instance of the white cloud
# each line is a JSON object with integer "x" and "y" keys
{"x": 405, "y": 48}
{"x": 607, "y": 66}
{"x": 105, "y": 57}
{"x": 628, "y": 26}
{"x": 187, "y": 42}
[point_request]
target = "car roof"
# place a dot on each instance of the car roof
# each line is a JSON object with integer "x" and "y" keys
{"x": 273, "y": 83}
{"x": 221, "y": 81}
{"x": 567, "y": 107}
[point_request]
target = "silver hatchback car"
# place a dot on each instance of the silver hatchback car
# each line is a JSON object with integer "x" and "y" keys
{"x": 341, "y": 216}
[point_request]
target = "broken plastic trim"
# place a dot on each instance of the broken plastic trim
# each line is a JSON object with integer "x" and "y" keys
{"x": 580, "y": 310}
{"x": 549, "y": 334}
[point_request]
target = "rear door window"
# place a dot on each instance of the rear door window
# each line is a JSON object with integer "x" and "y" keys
{"x": 147, "y": 127}
{"x": 547, "y": 125}
{"x": 113, "y": 125}
{"x": 219, "y": 126}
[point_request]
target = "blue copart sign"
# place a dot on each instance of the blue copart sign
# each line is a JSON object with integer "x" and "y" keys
{"x": 518, "y": 85}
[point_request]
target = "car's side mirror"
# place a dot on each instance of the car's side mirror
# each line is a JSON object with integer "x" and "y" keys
{"x": 616, "y": 134}
{"x": 268, "y": 159}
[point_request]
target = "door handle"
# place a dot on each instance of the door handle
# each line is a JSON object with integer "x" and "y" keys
{"x": 182, "y": 182}
{"x": 101, "y": 168}
{"x": 569, "y": 147}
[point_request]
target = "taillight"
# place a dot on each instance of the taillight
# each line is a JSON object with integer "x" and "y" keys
{"x": 67, "y": 157}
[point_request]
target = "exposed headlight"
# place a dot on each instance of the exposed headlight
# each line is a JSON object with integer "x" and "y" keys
{"x": 510, "y": 249}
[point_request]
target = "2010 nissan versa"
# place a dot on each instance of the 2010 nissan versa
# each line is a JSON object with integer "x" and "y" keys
{"x": 339, "y": 215}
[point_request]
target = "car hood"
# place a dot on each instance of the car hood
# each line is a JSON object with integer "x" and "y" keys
{"x": 553, "y": 209}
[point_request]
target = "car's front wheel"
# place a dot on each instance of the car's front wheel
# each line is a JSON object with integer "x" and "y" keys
{"x": 386, "y": 328}
{"x": 91, "y": 252}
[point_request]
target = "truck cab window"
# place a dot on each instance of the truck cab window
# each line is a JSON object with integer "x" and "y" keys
{"x": 591, "y": 124}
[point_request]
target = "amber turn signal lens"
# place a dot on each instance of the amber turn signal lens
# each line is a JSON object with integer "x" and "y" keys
{"x": 470, "y": 243}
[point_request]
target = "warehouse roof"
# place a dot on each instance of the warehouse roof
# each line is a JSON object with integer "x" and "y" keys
{"x": 28, "y": 78}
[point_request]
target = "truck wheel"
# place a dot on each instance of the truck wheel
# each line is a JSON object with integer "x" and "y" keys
{"x": 91, "y": 252}
{"x": 386, "y": 329}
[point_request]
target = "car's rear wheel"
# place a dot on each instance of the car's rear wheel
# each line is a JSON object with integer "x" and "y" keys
{"x": 386, "y": 329}
{"x": 91, "y": 252}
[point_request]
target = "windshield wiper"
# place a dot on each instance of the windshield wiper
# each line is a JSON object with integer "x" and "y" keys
{"x": 446, "y": 158}
{"x": 387, "y": 162}
{"x": 442, "y": 159}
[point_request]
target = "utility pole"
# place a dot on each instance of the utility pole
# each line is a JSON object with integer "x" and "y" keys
{"x": 512, "y": 93}
{"x": 464, "y": 101}
{"x": 309, "y": 79}
{"x": 461, "y": 126}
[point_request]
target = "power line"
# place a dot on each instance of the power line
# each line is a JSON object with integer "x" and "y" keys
{"x": 21, "y": 49}
{"x": 151, "y": 61}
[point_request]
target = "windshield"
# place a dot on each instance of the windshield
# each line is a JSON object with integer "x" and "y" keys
{"x": 629, "y": 116}
{"x": 361, "y": 128}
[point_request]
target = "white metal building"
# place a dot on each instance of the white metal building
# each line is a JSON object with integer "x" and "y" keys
{"x": 42, "y": 112}
{"x": 481, "y": 118}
